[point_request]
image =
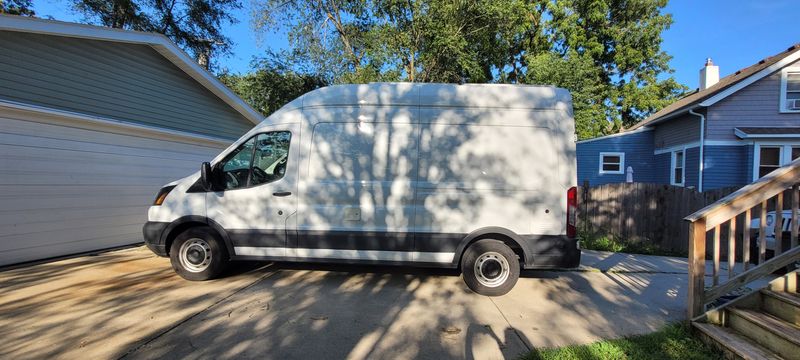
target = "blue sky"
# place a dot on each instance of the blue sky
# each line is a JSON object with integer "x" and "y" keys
{"x": 735, "y": 33}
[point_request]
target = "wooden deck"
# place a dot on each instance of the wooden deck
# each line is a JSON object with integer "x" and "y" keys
{"x": 762, "y": 324}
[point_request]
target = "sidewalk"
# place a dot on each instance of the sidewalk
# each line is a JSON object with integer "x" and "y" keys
{"x": 605, "y": 261}
{"x": 610, "y": 262}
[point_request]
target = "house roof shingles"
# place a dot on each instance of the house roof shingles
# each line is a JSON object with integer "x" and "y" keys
{"x": 698, "y": 96}
{"x": 766, "y": 131}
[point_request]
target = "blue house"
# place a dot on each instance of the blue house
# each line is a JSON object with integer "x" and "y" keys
{"x": 728, "y": 132}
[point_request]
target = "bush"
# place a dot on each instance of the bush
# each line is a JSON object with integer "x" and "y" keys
{"x": 609, "y": 242}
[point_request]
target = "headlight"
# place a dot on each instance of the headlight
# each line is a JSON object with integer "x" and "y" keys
{"x": 162, "y": 194}
{"x": 770, "y": 220}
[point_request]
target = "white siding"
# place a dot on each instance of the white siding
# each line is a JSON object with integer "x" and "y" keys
{"x": 69, "y": 187}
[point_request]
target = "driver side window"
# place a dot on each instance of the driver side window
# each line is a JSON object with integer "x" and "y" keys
{"x": 236, "y": 166}
{"x": 271, "y": 156}
{"x": 261, "y": 159}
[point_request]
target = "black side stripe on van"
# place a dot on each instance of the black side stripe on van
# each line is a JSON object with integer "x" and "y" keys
{"x": 543, "y": 251}
{"x": 265, "y": 238}
{"x": 344, "y": 254}
{"x": 355, "y": 240}
{"x": 348, "y": 240}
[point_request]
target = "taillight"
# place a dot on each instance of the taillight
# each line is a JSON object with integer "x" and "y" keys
{"x": 572, "y": 211}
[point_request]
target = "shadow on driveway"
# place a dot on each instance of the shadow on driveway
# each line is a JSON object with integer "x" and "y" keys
{"x": 130, "y": 304}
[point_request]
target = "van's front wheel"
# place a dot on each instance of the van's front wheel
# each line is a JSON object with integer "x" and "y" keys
{"x": 197, "y": 254}
{"x": 490, "y": 267}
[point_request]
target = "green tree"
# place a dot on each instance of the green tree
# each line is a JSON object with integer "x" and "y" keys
{"x": 195, "y": 25}
{"x": 328, "y": 37}
{"x": 17, "y": 7}
{"x": 606, "y": 52}
{"x": 120, "y": 14}
{"x": 397, "y": 40}
{"x": 577, "y": 73}
{"x": 623, "y": 38}
{"x": 270, "y": 86}
{"x": 449, "y": 41}
{"x": 192, "y": 24}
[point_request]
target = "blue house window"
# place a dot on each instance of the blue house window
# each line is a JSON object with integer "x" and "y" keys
{"x": 612, "y": 163}
{"x": 769, "y": 159}
{"x": 790, "y": 90}
{"x": 770, "y": 156}
{"x": 678, "y": 164}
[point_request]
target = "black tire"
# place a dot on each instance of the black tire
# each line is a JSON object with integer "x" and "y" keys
{"x": 490, "y": 267}
{"x": 198, "y": 254}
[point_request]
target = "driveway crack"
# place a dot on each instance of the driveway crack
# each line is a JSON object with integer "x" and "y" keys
{"x": 508, "y": 323}
{"x": 190, "y": 317}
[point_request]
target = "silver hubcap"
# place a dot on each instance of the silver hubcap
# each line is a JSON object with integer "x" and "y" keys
{"x": 492, "y": 269}
{"x": 195, "y": 255}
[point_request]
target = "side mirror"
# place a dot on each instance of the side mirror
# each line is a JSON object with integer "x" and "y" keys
{"x": 206, "y": 177}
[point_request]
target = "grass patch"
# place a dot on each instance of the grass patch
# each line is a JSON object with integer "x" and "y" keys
{"x": 601, "y": 242}
{"x": 672, "y": 342}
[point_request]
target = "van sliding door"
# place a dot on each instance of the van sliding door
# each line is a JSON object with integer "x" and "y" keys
{"x": 357, "y": 199}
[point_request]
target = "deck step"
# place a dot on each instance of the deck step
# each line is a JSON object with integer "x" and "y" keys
{"x": 766, "y": 330}
{"x": 733, "y": 344}
{"x": 782, "y": 305}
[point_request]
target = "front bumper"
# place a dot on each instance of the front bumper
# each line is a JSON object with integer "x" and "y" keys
{"x": 153, "y": 232}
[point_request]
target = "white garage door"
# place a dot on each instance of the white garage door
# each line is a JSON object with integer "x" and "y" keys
{"x": 70, "y": 186}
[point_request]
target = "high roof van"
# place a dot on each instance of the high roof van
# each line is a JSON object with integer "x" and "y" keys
{"x": 476, "y": 177}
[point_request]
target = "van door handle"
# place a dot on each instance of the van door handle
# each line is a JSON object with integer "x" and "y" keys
{"x": 282, "y": 193}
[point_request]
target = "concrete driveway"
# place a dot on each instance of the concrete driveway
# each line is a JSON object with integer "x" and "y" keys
{"x": 130, "y": 304}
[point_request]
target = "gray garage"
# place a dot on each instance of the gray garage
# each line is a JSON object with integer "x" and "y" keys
{"x": 92, "y": 122}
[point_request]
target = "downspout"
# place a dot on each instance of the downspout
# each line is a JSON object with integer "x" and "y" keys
{"x": 702, "y": 148}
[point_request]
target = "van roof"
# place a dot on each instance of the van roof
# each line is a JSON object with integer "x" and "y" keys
{"x": 438, "y": 95}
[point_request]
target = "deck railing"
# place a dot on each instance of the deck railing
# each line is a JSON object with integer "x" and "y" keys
{"x": 759, "y": 198}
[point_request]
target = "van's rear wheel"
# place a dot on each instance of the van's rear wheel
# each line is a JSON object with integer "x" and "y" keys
{"x": 198, "y": 254}
{"x": 490, "y": 267}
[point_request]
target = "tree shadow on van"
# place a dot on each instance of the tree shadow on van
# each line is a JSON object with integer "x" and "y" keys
{"x": 429, "y": 169}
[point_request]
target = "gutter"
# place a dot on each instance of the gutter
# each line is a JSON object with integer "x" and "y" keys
{"x": 702, "y": 148}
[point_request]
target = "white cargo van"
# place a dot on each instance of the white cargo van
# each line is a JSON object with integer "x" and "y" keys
{"x": 476, "y": 177}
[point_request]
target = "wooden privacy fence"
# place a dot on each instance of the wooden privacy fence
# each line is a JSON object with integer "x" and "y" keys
{"x": 725, "y": 219}
{"x": 639, "y": 212}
